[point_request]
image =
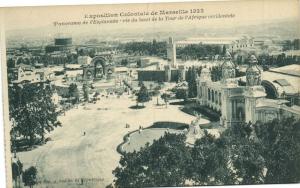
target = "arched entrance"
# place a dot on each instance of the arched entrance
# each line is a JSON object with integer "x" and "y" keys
{"x": 270, "y": 89}
{"x": 99, "y": 65}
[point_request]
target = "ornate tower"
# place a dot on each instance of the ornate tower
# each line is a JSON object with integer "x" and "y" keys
{"x": 253, "y": 73}
{"x": 228, "y": 69}
{"x": 229, "y": 86}
{"x": 254, "y": 91}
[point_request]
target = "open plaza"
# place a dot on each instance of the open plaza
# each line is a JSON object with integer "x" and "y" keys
{"x": 71, "y": 155}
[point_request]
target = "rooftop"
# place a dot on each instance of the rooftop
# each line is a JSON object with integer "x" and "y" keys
{"x": 292, "y": 70}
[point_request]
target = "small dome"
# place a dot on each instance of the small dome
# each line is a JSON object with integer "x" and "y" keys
{"x": 228, "y": 64}
{"x": 205, "y": 74}
{"x": 253, "y": 68}
{"x": 253, "y": 59}
{"x": 253, "y": 73}
{"x": 228, "y": 56}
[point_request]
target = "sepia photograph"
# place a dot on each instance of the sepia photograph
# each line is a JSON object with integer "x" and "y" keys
{"x": 151, "y": 95}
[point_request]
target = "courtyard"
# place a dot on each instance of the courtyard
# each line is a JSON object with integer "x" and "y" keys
{"x": 83, "y": 151}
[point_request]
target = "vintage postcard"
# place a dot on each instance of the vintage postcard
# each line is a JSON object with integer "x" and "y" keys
{"x": 152, "y": 95}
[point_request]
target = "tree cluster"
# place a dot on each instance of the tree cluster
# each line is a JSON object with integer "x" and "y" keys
{"x": 200, "y": 51}
{"x": 145, "y": 48}
{"x": 280, "y": 60}
{"x": 191, "y": 78}
{"x": 243, "y": 154}
{"x": 266, "y": 60}
{"x": 216, "y": 73}
{"x": 161, "y": 164}
{"x": 73, "y": 93}
{"x": 143, "y": 95}
{"x": 28, "y": 176}
{"x": 32, "y": 111}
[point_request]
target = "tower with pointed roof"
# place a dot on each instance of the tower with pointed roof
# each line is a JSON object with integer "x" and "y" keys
{"x": 229, "y": 86}
{"x": 171, "y": 52}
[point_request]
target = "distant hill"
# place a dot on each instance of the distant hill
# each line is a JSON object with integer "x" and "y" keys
{"x": 285, "y": 29}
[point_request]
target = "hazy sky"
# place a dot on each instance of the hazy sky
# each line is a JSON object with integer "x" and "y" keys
{"x": 246, "y": 12}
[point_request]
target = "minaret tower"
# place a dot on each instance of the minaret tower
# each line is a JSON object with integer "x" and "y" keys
{"x": 171, "y": 52}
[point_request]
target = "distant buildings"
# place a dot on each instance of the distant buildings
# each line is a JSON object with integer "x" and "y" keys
{"x": 231, "y": 43}
{"x": 26, "y": 73}
{"x": 73, "y": 73}
{"x": 275, "y": 91}
{"x": 60, "y": 44}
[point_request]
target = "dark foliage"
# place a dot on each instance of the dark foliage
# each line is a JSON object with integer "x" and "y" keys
{"x": 143, "y": 95}
{"x": 210, "y": 162}
{"x": 281, "y": 149}
{"x": 199, "y": 51}
{"x": 161, "y": 164}
{"x": 191, "y": 78}
{"x": 170, "y": 125}
{"x": 73, "y": 93}
{"x": 145, "y": 48}
{"x": 181, "y": 93}
{"x": 31, "y": 107}
{"x": 243, "y": 154}
{"x": 29, "y": 176}
{"x": 17, "y": 170}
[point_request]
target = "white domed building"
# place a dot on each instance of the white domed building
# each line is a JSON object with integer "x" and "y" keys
{"x": 241, "y": 103}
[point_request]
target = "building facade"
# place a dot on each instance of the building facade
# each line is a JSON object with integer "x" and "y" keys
{"x": 238, "y": 103}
